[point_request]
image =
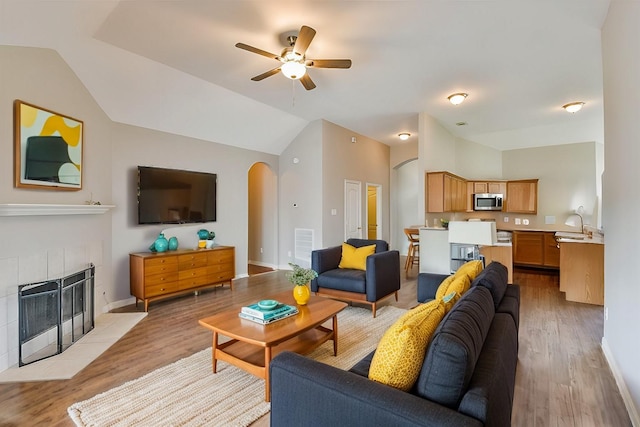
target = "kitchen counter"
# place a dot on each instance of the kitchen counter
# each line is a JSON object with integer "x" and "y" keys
{"x": 568, "y": 237}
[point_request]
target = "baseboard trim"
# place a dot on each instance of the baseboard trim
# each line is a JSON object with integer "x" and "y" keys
{"x": 634, "y": 415}
{"x": 263, "y": 264}
{"x": 117, "y": 304}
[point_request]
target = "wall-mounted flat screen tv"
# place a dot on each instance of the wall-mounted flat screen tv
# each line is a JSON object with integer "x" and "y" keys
{"x": 171, "y": 196}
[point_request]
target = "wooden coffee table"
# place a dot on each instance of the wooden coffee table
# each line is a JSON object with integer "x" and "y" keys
{"x": 252, "y": 346}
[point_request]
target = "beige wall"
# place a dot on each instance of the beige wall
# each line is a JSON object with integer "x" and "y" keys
{"x": 366, "y": 161}
{"x": 620, "y": 46}
{"x": 476, "y": 161}
{"x": 300, "y": 191}
{"x": 134, "y": 146}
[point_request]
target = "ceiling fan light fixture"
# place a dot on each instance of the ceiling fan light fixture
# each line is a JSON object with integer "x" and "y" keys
{"x": 293, "y": 70}
{"x": 404, "y": 136}
{"x": 573, "y": 107}
{"x": 457, "y": 98}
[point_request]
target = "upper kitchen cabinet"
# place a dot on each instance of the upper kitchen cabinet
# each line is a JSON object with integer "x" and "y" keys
{"x": 522, "y": 196}
{"x": 491, "y": 187}
{"x": 445, "y": 192}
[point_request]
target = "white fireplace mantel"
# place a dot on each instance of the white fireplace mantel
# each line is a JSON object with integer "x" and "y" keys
{"x": 31, "y": 209}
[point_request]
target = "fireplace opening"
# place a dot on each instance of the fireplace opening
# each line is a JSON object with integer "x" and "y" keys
{"x": 54, "y": 314}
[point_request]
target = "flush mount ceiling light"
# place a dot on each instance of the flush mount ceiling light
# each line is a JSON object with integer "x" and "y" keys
{"x": 404, "y": 136}
{"x": 457, "y": 98}
{"x": 573, "y": 107}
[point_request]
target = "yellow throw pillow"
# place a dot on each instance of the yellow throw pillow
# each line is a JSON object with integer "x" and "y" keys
{"x": 355, "y": 258}
{"x": 459, "y": 284}
{"x": 400, "y": 353}
{"x": 470, "y": 268}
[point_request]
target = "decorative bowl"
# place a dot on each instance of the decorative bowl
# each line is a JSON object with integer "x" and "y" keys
{"x": 268, "y": 304}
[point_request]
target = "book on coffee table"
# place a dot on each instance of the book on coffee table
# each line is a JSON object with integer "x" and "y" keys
{"x": 270, "y": 319}
{"x": 256, "y": 311}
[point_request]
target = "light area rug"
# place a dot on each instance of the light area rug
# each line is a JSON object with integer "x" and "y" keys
{"x": 108, "y": 328}
{"x": 187, "y": 393}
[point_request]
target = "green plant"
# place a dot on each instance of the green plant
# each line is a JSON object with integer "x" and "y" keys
{"x": 300, "y": 275}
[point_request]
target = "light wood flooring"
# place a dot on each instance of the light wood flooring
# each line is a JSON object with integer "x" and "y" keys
{"x": 562, "y": 377}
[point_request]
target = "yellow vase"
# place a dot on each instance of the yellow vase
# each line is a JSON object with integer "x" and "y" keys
{"x": 301, "y": 294}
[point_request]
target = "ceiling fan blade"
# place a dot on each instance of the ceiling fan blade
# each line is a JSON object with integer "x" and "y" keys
{"x": 307, "y": 82}
{"x": 266, "y": 74}
{"x": 303, "y": 41}
{"x": 258, "y": 51}
{"x": 329, "y": 63}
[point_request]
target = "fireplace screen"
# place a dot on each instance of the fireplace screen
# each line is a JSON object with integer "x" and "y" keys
{"x": 54, "y": 314}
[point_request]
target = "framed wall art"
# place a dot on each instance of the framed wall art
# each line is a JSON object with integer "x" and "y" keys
{"x": 47, "y": 150}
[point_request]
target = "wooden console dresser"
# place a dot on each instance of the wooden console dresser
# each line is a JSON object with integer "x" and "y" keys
{"x": 155, "y": 276}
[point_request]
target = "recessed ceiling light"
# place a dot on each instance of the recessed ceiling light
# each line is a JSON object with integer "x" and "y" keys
{"x": 457, "y": 98}
{"x": 404, "y": 136}
{"x": 573, "y": 107}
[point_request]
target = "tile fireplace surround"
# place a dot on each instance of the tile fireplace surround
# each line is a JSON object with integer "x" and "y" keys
{"x": 34, "y": 267}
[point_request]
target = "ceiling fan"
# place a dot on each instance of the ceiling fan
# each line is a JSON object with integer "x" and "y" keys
{"x": 294, "y": 63}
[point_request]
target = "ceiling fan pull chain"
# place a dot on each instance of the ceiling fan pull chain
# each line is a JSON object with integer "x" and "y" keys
{"x": 293, "y": 93}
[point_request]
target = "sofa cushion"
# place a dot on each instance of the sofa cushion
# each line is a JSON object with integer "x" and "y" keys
{"x": 344, "y": 279}
{"x": 458, "y": 284}
{"x": 455, "y": 347}
{"x": 355, "y": 258}
{"x": 400, "y": 353}
{"x": 470, "y": 268}
{"x": 495, "y": 278}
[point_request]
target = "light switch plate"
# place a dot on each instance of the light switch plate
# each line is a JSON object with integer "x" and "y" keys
{"x": 517, "y": 221}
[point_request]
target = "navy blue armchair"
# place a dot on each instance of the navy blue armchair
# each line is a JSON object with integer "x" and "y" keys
{"x": 380, "y": 279}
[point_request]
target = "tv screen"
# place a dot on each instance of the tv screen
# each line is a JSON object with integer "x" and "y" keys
{"x": 171, "y": 196}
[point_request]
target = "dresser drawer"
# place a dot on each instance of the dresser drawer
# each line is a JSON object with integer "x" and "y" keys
{"x": 221, "y": 256}
{"x": 188, "y": 261}
{"x": 158, "y": 279}
{"x": 164, "y": 268}
{"x": 160, "y": 289}
{"x": 159, "y": 261}
{"x": 192, "y": 278}
{"x": 221, "y": 276}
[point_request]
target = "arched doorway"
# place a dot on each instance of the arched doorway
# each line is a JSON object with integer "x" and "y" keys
{"x": 262, "y": 228}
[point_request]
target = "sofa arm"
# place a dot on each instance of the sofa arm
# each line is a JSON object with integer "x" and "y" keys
{"x": 324, "y": 260}
{"x": 382, "y": 275}
{"x": 309, "y": 393}
{"x": 428, "y": 285}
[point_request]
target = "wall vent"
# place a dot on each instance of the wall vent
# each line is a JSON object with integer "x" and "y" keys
{"x": 303, "y": 246}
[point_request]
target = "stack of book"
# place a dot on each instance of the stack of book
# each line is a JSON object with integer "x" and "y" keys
{"x": 256, "y": 314}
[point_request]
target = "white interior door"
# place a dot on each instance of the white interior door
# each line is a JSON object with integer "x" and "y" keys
{"x": 352, "y": 209}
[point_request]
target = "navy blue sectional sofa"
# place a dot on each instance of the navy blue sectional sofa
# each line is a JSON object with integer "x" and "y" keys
{"x": 467, "y": 377}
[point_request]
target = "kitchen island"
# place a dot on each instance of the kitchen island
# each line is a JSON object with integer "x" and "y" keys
{"x": 582, "y": 267}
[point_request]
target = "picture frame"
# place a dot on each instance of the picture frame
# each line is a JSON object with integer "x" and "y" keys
{"x": 48, "y": 149}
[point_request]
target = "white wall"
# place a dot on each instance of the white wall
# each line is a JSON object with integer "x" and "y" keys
{"x": 621, "y": 199}
{"x": 476, "y": 161}
{"x": 406, "y": 208}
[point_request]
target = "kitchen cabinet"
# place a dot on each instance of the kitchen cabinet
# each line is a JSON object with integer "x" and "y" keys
{"x": 582, "y": 272}
{"x": 522, "y": 196}
{"x": 492, "y": 187}
{"x": 445, "y": 192}
{"x": 535, "y": 249}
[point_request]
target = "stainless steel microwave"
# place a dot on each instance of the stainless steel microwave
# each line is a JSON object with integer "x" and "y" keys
{"x": 487, "y": 202}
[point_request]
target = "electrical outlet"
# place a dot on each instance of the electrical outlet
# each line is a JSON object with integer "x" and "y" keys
{"x": 517, "y": 221}
{"x": 289, "y": 254}
{"x": 505, "y": 219}
{"x": 606, "y": 313}
{"x": 261, "y": 251}
{"x": 525, "y": 221}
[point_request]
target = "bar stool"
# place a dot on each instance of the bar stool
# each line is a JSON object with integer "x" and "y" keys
{"x": 413, "y": 254}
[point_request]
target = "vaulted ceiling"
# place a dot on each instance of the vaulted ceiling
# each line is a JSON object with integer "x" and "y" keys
{"x": 172, "y": 65}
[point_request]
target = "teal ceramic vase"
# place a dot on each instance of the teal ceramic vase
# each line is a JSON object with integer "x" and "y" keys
{"x": 161, "y": 244}
{"x": 203, "y": 234}
{"x": 173, "y": 243}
